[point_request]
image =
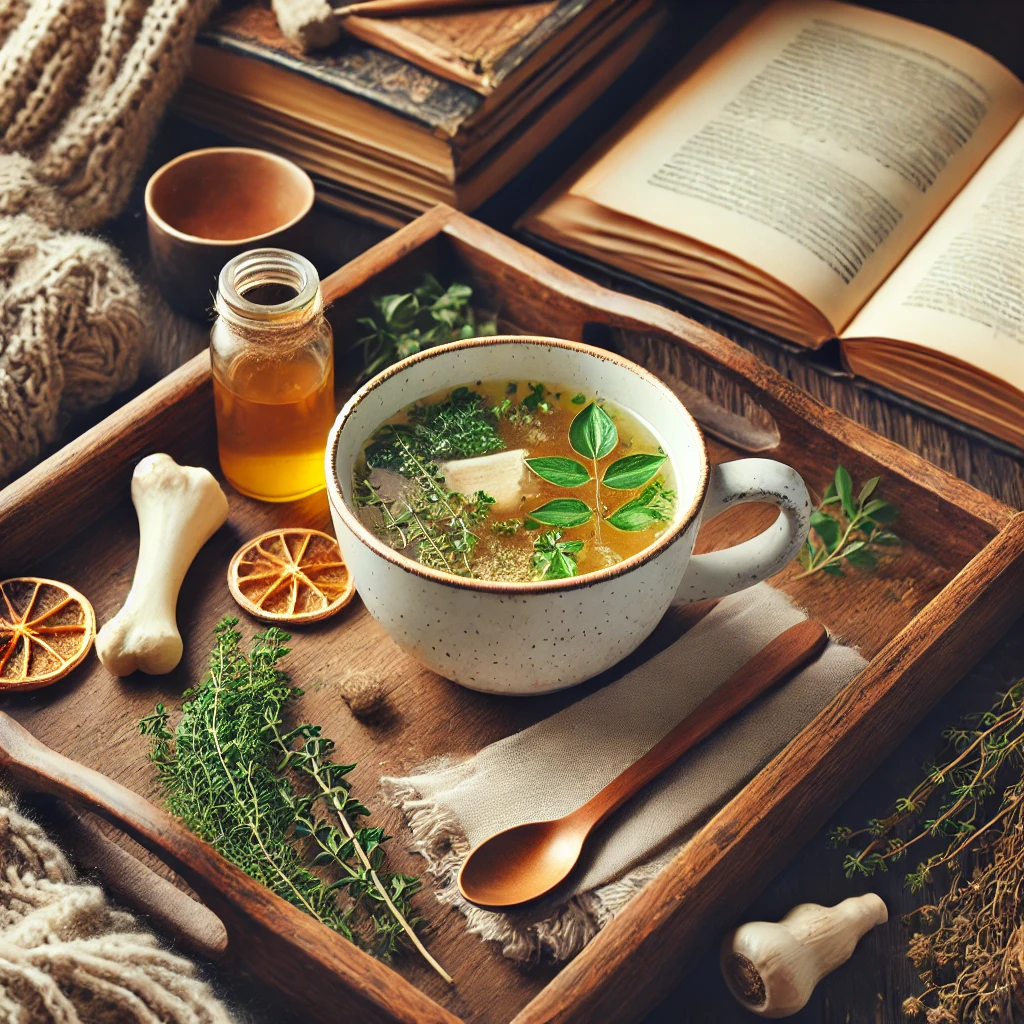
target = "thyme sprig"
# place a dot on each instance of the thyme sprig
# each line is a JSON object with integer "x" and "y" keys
{"x": 441, "y": 524}
{"x": 970, "y": 950}
{"x": 239, "y": 778}
{"x": 845, "y": 528}
{"x": 460, "y": 427}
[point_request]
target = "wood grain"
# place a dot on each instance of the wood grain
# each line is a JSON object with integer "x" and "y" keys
{"x": 922, "y": 617}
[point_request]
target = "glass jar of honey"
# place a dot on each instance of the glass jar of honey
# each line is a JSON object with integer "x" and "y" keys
{"x": 273, "y": 375}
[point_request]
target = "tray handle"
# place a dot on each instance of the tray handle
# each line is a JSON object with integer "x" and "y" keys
{"x": 318, "y": 969}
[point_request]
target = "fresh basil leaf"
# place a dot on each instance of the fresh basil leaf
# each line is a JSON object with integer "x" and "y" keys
{"x": 654, "y": 504}
{"x": 827, "y": 530}
{"x": 832, "y": 569}
{"x": 630, "y": 520}
{"x": 632, "y": 471}
{"x": 565, "y": 512}
{"x": 559, "y": 567}
{"x": 844, "y": 488}
{"x": 592, "y": 433}
{"x": 578, "y": 399}
{"x": 886, "y": 537}
{"x": 852, "y": 548}
{"x": 559, "y": 471}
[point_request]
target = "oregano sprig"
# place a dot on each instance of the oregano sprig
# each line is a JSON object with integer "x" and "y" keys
{"x": 847, "y": 528}
{"x": 408, "y": 322}
{"x": 553, "y": 557}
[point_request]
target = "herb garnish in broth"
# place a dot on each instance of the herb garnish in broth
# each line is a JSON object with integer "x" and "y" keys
{"x": 515, "y": 481}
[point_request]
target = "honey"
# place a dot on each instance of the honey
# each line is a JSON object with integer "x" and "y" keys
{"x": 273, "y": 375}
{"x": 272, "y": 425}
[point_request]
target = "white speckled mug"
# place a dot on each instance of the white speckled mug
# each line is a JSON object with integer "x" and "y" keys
{"x": 528, "y": 638}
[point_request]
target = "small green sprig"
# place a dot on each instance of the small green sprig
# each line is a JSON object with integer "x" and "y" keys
{"x": 847, "y": 528}
{"x": 460, "y": 427}
{"x": 553, "y": 557}
{"x": 408, "y": 322}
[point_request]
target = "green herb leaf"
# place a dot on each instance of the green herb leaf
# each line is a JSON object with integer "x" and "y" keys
{"x": 536, "y": 400}
{"x": 592, "y": 433}
{"x": 399, "y": 310}
{"x": 632, "y": 471}
{"x": 652, "y": 505}
{"x": 880, "y": 511}
{"x": 552, "y": 559}
{"x": 867, "y": 490}
{"x": 844, "y": 488}
{"x": 564, "y": 512}
{"x": 827, "y": 529}
{"x": 408, "y": 322}
{"x": 861, "y": 558}
{"x": 560, "y": 471}
{"x": 578, "y": 399}
{"x": 832, "y": 569}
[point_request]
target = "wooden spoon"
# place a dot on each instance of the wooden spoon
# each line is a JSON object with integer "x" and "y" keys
{"x": 527, "y": 861}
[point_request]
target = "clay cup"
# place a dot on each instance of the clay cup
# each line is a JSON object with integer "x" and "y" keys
{"x": 207, "y": 206}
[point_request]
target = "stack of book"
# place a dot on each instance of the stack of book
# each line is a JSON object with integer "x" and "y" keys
{"x": 406, "y": 112}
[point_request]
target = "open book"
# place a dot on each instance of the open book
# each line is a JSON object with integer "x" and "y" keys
{"x": 831, "y": 171}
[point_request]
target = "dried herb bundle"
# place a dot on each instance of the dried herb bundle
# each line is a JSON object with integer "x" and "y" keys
{"x": 970, "y": 949}
{"x": 270, "y": 799}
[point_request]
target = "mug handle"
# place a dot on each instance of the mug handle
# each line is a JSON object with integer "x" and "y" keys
{"x": 733, "y": 483}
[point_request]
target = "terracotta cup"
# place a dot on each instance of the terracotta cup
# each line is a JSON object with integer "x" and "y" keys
{"x": 207, "y": 206}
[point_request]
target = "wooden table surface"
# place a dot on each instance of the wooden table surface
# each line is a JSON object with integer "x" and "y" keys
{"x": 872, "y": 986}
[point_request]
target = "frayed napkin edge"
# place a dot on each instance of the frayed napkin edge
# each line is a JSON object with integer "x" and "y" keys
{"x": 439, "y": 838}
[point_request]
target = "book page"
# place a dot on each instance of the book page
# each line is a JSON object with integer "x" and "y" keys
{"x": 960, "y": 291}
{"x": 817, "y": 146}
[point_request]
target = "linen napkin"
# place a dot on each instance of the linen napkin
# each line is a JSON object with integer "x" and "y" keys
{"x": 558, "y": 764}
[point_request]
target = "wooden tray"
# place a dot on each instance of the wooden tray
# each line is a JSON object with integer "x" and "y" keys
{"x": 922, "y": 619}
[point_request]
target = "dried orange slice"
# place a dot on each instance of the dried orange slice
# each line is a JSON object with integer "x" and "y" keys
{"x": 291, "y": 575}
{"x": 46, "y": 629}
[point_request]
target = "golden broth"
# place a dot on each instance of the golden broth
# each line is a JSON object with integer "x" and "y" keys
{"x": 503, "y": 556}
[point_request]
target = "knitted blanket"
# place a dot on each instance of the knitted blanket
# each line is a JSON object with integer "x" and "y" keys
{"x": 82, "y": 86}
{"x": 68, "y": 957}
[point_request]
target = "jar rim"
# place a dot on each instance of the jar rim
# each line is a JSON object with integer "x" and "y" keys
{"x": 256, "y": 267}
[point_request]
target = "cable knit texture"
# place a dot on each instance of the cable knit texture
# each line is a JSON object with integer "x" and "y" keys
{"x": 82, "y": 86}
{"x": 68, "y": 957}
